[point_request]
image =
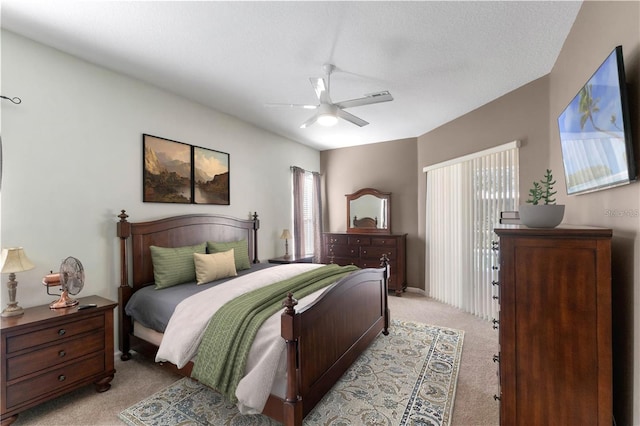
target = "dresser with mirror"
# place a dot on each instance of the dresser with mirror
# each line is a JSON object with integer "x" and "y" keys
{"x": 368, "y": 236}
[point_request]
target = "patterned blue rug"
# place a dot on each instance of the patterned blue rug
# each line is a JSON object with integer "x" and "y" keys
{"x": 406, "y": 378}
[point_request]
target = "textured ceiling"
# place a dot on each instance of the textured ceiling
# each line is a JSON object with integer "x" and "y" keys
{"x": 439, "y": 60}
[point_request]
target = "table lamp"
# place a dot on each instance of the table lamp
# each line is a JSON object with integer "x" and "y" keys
{"x": 286, "y": 235}
{"x": 14, "y": 260}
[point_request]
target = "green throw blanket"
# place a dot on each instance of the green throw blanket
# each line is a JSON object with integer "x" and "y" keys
{"x": 223, "y": 352}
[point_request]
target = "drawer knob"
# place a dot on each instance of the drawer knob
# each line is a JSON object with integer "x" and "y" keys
{"x": 62, "y": 332}
{"x": 61, "y": 378}
{"x": 496, "y": 358}
{"x": 494, "y": 282}
{"x": 496, "y": 398}
{"x": 495, "y": 323}
{"x": 61, "y": 354}
{"x": 494, "y": 297}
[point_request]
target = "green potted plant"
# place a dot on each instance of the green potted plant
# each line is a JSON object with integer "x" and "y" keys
{"x": 541, "y": 210}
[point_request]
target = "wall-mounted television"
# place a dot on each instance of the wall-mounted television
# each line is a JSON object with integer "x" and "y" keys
{"x": 595, "y": 131}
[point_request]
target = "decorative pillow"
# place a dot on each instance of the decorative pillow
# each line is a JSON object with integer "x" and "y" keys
{"x": 240, "y": 250}
{"x": 174, "y": 265}
{"x": 211, "y": 267}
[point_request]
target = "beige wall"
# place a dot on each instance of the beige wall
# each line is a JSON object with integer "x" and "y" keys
{"x": 519, "y": 115}
{"x": 387, "y": 166}
{"x": 599, "y": 27}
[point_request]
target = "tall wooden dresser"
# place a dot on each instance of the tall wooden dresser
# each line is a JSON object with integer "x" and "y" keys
{"x": 555, "y": 360}
{"x": 365, "y": 251}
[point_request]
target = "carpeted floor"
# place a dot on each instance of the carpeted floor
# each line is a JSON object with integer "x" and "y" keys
{"x": 408, "y": 377}
{"x": 139, "y": 378}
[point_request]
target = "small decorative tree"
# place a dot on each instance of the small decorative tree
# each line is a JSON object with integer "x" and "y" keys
{"x": 543, "y": 190}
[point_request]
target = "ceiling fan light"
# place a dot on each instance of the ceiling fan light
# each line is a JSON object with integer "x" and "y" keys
{"x": 327, "y": 119}
{"x": 327, "y": 115}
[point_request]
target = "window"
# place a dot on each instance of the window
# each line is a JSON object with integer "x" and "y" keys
{"x": 464, "y": 200}
{"x": 307, "y": 220}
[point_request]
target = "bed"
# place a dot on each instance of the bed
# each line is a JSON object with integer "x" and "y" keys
{"x": 322, "y": 339}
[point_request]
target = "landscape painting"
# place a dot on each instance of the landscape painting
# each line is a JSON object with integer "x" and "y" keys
{"x": 211, "y": 176}
{"x": 167, "y": 171}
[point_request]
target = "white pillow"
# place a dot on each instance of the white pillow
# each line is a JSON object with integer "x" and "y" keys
{"x": 211, "y": 267}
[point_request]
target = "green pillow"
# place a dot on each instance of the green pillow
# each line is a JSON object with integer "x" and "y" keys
{"x": 240, "y": 252}
{"x": 174, "y": 265}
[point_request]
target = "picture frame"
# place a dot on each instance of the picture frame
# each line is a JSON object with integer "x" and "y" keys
{"x": 167, "y": 171}
{"x": 176, "y": 172}
{"x": 210, "y": 176}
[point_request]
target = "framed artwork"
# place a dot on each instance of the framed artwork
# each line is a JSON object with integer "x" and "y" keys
{"x": 210, "y": 176}
{"x": 176, "y": 172}
{"x": 168, "y": 171}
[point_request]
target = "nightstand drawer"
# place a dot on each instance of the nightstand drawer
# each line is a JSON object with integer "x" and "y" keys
{"x": 57, "y": 354}
{"x": 51, "y": 334}
{"x": 30, "y": 389}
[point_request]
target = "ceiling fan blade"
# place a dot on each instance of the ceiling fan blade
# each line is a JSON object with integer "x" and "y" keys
{"x": 351, "y": 118}
{"x": 371, "y": 98}
{"x": 272, "y": 105}
{"x": 321, "y": 87}
{"x": 309, "y": 122}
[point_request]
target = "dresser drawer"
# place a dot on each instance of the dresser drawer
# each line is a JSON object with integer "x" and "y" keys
{"x": 343, "y": 261}
{"x": 370, "y": 263}
{"x": 337, "y": 239}
{"x": 30, "y": 389}
{"x": 67, "y": 350}
{"x": 377, "y": 252}
{"x": 360, "y": 241}
{"x": 384, "y": 241}
{"x": 55, "y": 333}
{"x": 344, "y": 251}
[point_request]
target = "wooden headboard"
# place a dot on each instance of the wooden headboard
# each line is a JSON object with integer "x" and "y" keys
{"x": 178, "y": 231}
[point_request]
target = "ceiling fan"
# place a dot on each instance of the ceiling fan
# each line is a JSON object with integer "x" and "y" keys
{"x": 328, "y": 112}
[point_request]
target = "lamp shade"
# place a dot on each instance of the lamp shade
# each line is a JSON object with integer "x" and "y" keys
{"x": 15, "y": 260}
{"x": 286, "y": 235}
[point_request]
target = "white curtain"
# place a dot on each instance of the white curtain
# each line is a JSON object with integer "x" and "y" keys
{"x": 464, "y": 200}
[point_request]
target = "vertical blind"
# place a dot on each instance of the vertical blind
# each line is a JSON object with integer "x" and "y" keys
{"x": 464, "y": 200}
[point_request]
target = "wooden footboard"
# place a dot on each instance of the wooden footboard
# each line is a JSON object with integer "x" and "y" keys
{"x": 323, "y": 339}
{"x": 326, "y": 337}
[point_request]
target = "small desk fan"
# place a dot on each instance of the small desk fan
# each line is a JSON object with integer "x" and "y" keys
{"x": 71, "y": 281}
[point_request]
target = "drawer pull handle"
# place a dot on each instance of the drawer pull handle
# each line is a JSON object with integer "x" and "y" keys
{"x": 61, "y": 354}
{"x": 62, "y": 332}
{"x": 496, "y": 398}
{"x": 61, "y": 378}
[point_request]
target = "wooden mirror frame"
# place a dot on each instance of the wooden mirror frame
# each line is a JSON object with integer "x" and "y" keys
{"x": 369, "y": 229}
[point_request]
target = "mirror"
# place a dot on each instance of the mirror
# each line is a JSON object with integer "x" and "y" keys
{"x": 369, "y": 212}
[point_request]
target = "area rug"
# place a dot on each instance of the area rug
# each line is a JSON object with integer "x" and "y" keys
{"x": 406, "y": 378}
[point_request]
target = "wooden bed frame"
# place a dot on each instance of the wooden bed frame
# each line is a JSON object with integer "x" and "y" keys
{"x": 323, "y": 339}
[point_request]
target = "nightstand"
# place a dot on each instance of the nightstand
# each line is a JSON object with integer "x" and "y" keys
{"x": 292, "y": 259}
{"x": 49, "y": 352}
